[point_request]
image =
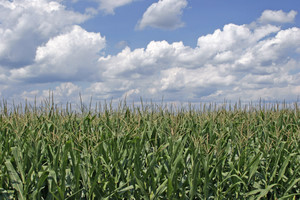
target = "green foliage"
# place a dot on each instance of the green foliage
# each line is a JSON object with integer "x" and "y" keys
{"x": 150, "y": 152}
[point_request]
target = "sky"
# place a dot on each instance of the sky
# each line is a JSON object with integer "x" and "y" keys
{"x": 175, "y": 50}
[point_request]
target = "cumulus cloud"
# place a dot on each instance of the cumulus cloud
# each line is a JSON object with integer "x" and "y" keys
{"x": 277, "y": 16}
{"x": 108, "y": 6}
{"x": 69, "y": 56}
{"x": 27, "y": 24}
{"x": 165, "y": 14}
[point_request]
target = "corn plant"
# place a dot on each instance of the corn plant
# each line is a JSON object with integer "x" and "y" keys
{"x": 150, "y": 152}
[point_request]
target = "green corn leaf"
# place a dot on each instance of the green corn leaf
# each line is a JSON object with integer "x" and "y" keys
{"x": 195, "y": 173}
{"x": 254, "y": 165}
{"x": 275, "y": 167}
{"x": 253, "y": 192}
{"x": 64, "y": 162}
{"x": 15, "y": 180}
{"x": 265, "y": 191}
{"x": 284, "y": 165}
{"x": 170, "y": 188}
{"x": 52, "y": 180}
{"x": 17, "y": 153}
{"x": 130, "y": 187}
{"x": 42, "y": 179}
{"x": 142, "y": 187}
{"x": 296, "y": 181}
{"x": 290, "y": 196}
{"x": 160, "y": 190}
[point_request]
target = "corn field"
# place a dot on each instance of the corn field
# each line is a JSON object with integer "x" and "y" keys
{"x": 150, "y": 152}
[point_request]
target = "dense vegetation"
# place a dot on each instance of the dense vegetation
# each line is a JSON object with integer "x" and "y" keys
{"x": 150, "y": 152}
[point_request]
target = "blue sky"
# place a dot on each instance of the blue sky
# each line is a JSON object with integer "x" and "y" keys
{"x": 201, "y": 17}
{"x": 182, "y": 50}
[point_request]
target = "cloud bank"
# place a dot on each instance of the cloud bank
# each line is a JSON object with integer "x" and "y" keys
{"x": 248, "y": 61}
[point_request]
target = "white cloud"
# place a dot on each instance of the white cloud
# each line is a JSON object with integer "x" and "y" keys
{"x": 225, "y": 64}
{"x": 269, "y": 16}
{"x": 273, "y": 51}
{"x": 70, "y": 56}
{"x": 64, "y": 90}
{"x": 274, "y": 93}
{"x": 108, "y": 6}
{"x": 26, "y": 24}
{"x": 233, "y": 37}
{"x": 237, "y": 61}
{"x": 31, "y": 96}
{"x": 110, "y": 88}
{"x": 181, "y": 78}
{"x": 130, "y": 93}
{"x": 165, "y": 14}
{"x": 62, "y": 93}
